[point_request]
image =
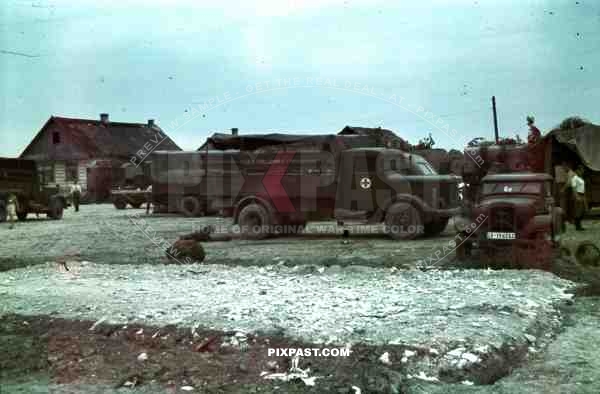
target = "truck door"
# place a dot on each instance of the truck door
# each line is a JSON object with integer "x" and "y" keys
{"x": 357, "y": 182}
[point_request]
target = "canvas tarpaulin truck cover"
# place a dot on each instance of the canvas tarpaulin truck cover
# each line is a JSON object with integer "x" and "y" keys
{"x": 584, "y": 141}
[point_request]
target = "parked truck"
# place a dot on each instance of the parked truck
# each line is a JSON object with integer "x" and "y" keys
{"x": 276, "y": 188}
{"x": 353, "y": 186}
{"x": 509, "y": 211}
{"x": 133, "y": 189}
{"x": 197, "y": 183}
{"x": 21, "y": 178}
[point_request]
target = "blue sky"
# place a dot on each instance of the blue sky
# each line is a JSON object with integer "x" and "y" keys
{"x": 441, "y": 61}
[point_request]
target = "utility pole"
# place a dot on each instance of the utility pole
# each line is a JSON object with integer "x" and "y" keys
{"x": 495, "y": 119}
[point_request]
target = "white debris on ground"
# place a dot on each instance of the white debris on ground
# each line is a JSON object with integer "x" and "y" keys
{"x": 142, "y": 357}
{"x": 385, "y": 358}
{"x": 407, "y": 354}
{"x": 294, "y": 373}
{"x": 409, "y": 307}
{"x": 423, "y": 376}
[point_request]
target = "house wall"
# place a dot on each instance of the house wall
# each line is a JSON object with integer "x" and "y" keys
{"x": 83, "y": 166}
{"x": 60, "y": 174}
{"x": 93, "y": 178}
{"x": 102, "y": 177}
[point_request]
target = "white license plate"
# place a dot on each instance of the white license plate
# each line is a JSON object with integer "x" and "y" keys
{"x": 495, "y": 235}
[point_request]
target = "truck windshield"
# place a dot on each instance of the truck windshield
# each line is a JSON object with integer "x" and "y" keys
{"x": 512, "y": 187}
{"x": 402, "y": 165}
{"x": 425, "y": 168}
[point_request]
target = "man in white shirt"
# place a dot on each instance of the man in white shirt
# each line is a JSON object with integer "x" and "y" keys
{"x": 578, "y": 185}
{"x": 76, "y": 194}
{"x": 148, "y": 199}
{"x": 11, "y": 210}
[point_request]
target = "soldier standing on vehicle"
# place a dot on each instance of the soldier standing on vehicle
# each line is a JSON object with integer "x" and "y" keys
{"x": 534, "y": 132}
{"x": 76, "y": 194}
{"x": 11, "y": 210}
{"x": 578, "y": 185}
{"x": 535, "y": 150}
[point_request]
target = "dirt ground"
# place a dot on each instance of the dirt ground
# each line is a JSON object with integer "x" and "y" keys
{"x": 120, "y": 237}
{"x": 84, "y": 330}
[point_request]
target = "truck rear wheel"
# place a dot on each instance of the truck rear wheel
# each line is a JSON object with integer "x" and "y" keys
{"x": 120, "y": 203}
{"x": 22, "y": 215}
{"x": 56, "y": 209}
{"x": 190, "y": 206}
{"x": 403, "y": 222}
{"x": 254, "y": 222}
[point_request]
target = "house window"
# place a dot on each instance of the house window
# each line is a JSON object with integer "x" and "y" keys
{"x": 56, "y": 138}
{"x": 186, "y": 168}
{"x": 47, "y": 174}
{"x": 71, "y": 172}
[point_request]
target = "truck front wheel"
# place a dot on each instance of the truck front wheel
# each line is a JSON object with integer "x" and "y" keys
{"x": 436, "y": 227}
{"x": 190, "y": 206}
{"x": 403, "y": 222}
{"x": 464, "y": 250}
{"x": 22, "y": 215}
{"x": 254, "y": 222}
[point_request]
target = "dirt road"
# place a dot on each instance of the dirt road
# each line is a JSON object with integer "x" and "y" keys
{"x": 102, "y": 234}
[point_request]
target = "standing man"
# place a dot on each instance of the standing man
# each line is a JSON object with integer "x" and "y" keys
{"x": 11, "y": 210}
{"x": 569, "y": 195}
{"x": 578, "y": 185}
{"x": 535, "y": 150}
{"x": 76, "y": 194}
{"x": 560, "y": 180}
{"x": 148, "y": 199}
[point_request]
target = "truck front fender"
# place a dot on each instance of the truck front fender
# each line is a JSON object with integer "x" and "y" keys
{"x": 429, "y": 213}
{"x": 539, "y": 223}
{"x": 406, "y": 198}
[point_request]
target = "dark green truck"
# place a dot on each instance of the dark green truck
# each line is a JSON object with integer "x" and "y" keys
{"x": 20, "y": 177}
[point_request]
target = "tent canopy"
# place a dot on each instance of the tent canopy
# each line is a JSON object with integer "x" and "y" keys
{"x": 583, "y": 140}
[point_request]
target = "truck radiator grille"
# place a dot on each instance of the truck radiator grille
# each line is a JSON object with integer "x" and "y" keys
{"x": 503, "y": 219}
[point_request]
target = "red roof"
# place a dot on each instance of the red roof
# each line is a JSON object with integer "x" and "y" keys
{"x": 88, "y": 139}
